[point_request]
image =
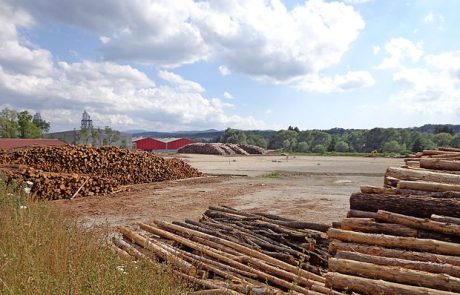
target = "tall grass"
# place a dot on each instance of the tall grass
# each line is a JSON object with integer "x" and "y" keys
{"x": 43, "y": 252}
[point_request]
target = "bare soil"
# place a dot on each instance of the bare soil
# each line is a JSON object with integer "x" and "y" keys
{"x": 308, "y": 188}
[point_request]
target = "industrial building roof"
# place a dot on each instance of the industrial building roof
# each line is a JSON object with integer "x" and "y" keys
{"x": 165, "y": 140}
{"x": 11, "y": 143}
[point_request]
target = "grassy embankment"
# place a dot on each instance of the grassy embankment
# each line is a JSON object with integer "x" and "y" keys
{"x": 43, "y": 252}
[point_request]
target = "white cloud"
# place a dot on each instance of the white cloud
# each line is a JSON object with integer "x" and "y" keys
{"x": 433, "y": 88}
{"x": 268, "y": 112}
{"x": 434, "y": 18}
{"x": 262, "y": 39}
{"x": 227, "y": 95}
{"x": 337, "y": 83}
{"x": 117, "y": 95}
{"x": 224, "y": 71}
{"x": 376, "y": 50}
{"x": 400, "y": 50}
{"x": 353, "y": 2}
{"x": 104, "y": 39}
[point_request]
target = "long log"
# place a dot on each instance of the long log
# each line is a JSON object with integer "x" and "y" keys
{"x": 446, "y": 219}
{"x": 368, "y": 189}
{"x": 428, "y": 186}
{"x": 184, "y": 266}
{"x": 215, "y": 292}
{"x": 419, "y": 223}
{"x": 218, "y": 255}
{"x": 369, "y": 286}
{"x": 423, "y": 175}
{"x": 418, "y": 206}
{"x": 440, "y": 164}
{"x": 415, "y": 265}
{"x": 336, "y": 246}
{"x": 432, "y": 246}
{"x": 368, "y": 225}
{"x": 242, "y": 249}
{"x": 360, "y": 214}
{"x": 395, "y": 274}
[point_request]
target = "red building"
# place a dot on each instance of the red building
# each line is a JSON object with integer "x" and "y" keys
{"x": 12, "y": 143}
{"x": 160, "y": 144}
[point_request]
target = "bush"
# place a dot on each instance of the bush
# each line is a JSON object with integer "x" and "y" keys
{"x": 43, "y": 252}
{"x": 392, "y": 147}
{"x": 319, "y": 148}
{"x": 303, "y": 147}
{"x": 341, "y": 147}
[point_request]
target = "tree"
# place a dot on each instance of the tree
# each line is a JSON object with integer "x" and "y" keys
{"x": 40, "y": 123}
{"x": 26, "y": 128}
{"x": 442, "y": 139}
{"x": 303, "y": 147}
{"x": 392, "y": 147}
{"x": 423, "y": 143}
{"x": 278, "y": 139}
{"x": 319, "y": 148}
{"x": 8, "y": 123}
{"x": 233, "y": 136}
{"x": 341, "y": 147}
{"x": 320, "y": 138}
{"x": 84, "y": 136}
{"x": 444, "y": 129}
{"x": 455, "y": 142}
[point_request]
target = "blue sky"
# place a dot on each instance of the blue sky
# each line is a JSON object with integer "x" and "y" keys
{"x": 186, "y": 65}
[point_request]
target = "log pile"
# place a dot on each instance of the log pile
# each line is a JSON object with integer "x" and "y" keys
{"x": 236, "y": 252}
{"x": 404, "y": 237}
{"x": 62, "y": 171}
{"x": 223, "y": 149}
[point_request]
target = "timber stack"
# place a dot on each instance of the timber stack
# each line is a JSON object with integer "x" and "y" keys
{"x": 64, "y": 171}
{"x": 235, "y": 252}
{"x": 404, "y": 237}
{"x": 223, "y": 149}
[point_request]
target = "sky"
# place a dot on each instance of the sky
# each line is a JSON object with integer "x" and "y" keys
{"x": 168, "y": 65}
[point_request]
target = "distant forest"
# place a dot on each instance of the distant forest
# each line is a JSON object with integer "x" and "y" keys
{"x": 383, "y": 140}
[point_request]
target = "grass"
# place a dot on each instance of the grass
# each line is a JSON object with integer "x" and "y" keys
{"x": 272, "y": 175}
{"x": 44, "y": 252}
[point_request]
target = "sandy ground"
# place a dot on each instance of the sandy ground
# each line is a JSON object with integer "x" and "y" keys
{"x": 303, "y": 187}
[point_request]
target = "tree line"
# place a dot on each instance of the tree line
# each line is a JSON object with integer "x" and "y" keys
{"x": 383, "y": 140}
{"x": 21, "y": 124}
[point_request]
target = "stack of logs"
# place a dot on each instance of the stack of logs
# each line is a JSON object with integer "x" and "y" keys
{"x": 432, "y": 186}
{"x": 63, "y": 171}
{"x": 404, "y": 237}
{"x": 236, "y": 252}
{"x": 223, "y": 149}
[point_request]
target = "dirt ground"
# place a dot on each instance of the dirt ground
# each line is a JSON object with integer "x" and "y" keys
{"x": 306, "y": 188}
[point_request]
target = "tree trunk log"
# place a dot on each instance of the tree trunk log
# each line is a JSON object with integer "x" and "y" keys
{"x": 415, "y": 265}
{"x": 361, "y": 214}
{"x": 446, "y": 219}
{"x": 440, "y": 164}
{"x": 336, "y": 246}
{"x": 431, "y": 246}
{"x": 412, "y": 175}
{"x": 419, "y": 223}
{"x": 418, "y": 206}
{"x": 395, "y": 274}
{"x": 367, "y": 225}
{"x": 428, "y": 186}
{"x": 373, "y": 287}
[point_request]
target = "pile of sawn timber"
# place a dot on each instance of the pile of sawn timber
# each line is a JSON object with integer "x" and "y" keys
{"x": 404, "y": 237}
{"x": 223, "y": 149}
{"x": 63, "y": 171}
{"x": 236, "y": 252}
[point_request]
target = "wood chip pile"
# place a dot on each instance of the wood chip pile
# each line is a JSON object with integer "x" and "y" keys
{"x": 223, "y": 149}
{"x": 235, "y": 252}
{"x": 60, "y": 171}
{"x": 404, "y": 237}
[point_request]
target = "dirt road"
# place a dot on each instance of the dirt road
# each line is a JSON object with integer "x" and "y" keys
{"x": 309, "y": 188}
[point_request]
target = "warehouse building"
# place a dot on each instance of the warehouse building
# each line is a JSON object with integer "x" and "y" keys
{"x": 161, "y": 144}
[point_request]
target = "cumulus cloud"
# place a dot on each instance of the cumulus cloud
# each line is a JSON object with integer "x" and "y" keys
{"x": 227, "y": 95}
{"x": 337, "y": 83}
{"x": 427, "y": 83}
{"x": 400, "y": 50}
{"x": 434, "y": 18}
{"x": 262, "y": 39}
{"x": 114, "y": 94}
